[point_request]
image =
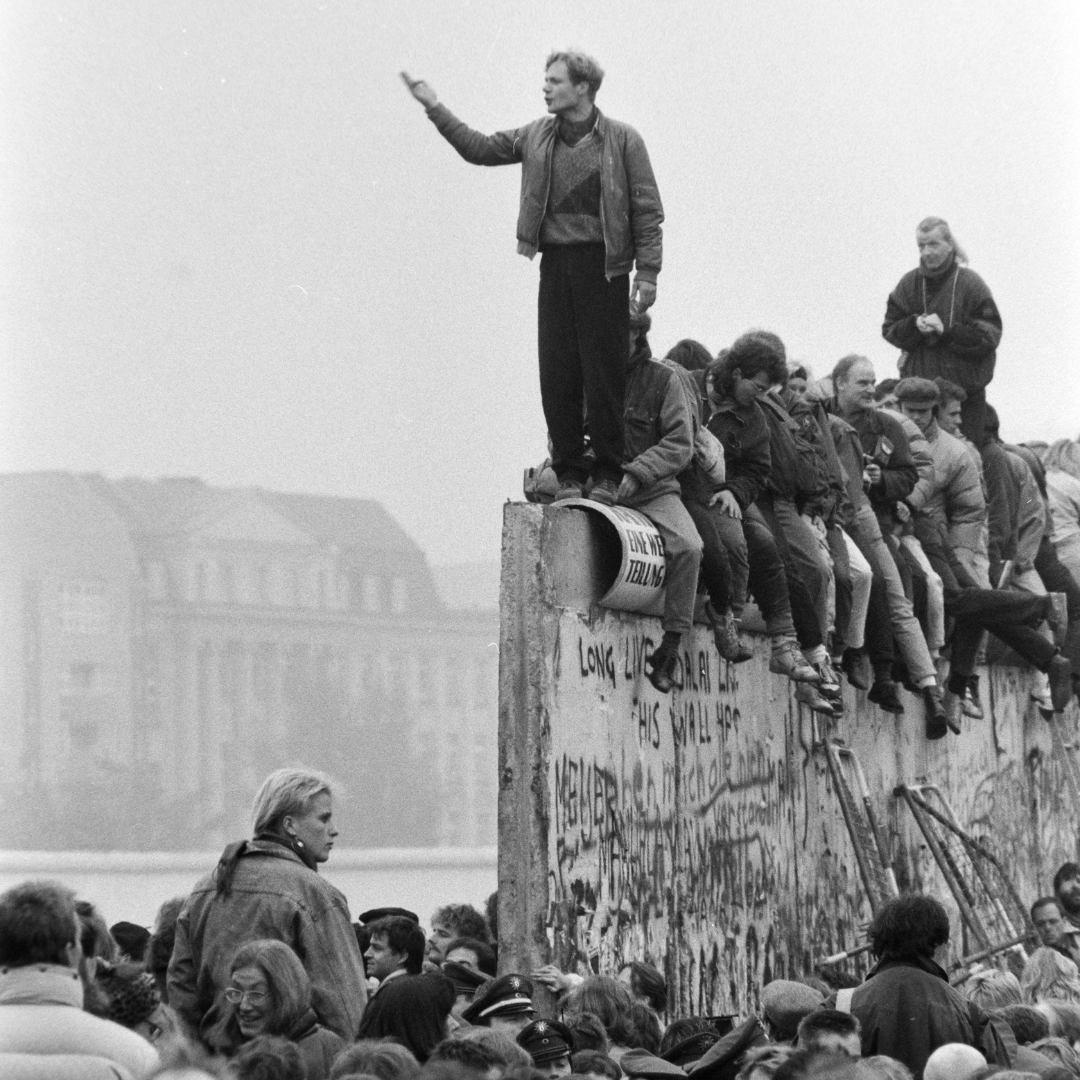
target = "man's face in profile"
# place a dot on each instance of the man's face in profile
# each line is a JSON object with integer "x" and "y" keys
{"x": 1068, "y": 895}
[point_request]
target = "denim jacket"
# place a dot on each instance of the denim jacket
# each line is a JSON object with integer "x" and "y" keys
{"x": 630, "y": 209}
{"x": 272, "y": 895}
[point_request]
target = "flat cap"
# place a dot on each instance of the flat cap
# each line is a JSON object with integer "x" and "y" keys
{"x": 917, "y": 391}
{"x": 691, "y": 1049}
{"x": 366, "y": 917}
{"x": 509, "y": 995}
{"x": 546, "y": 1040}
{"x": 721, "y": 1060}
{"x": 784, "y": 1002}
{"x": 648, "y": 1066}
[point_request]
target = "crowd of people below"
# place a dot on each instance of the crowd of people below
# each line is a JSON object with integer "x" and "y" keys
{"x": 884, "y": 529}
{"x": 260, "y": 974}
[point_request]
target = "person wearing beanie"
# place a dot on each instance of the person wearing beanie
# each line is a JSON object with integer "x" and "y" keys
{"x": 590, "y": 204}
{"x": 132, "y": 940}
{"x": 659, "y": 444}
{"x": 953, "y": 496}
{"x": 944, "y": 320}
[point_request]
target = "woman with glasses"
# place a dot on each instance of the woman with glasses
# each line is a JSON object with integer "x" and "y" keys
{"x": 269, "y": 993}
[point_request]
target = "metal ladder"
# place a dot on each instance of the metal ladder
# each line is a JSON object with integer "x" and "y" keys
{"x": 993, "y": 915}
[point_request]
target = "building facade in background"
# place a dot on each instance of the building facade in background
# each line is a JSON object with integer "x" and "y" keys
{"x": 165, "y": 644}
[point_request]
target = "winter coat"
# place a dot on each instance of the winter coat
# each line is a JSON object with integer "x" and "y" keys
{"x": 965, "y": 353}
{"x": 744, "y": 433}
{"x": 1002, "y": 506}
{"x": 798, "y": 472}
{"x": 630, "y": 210}
{"x": 41, "y": 1013}
{"x": 907, "y": 1009}
{"x": 953, "y": 495}
{"x": 1032, "y": 516}
{"x": 262, "y": 889}
{"x": 658, "y": 428}
{"x": 1063, "y": 491}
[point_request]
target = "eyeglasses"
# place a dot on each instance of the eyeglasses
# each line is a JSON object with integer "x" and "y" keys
{"x": 234, "y": 996}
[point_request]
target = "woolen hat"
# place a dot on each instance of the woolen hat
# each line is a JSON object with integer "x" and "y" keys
{"x": 132, "y": 994}
{"x": 509, "y": 995}
{"x": 917, "y": 391}
{"x": 546, "y": 1040}
{"x": 648, "y": 1066}
{"x": 640, "y": 321}
{"x": 785, "y": 1003}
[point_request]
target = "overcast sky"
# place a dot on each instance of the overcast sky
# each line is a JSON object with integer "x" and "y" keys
{"x": 235, "y": 248}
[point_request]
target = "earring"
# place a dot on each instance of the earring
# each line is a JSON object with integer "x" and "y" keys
{"x": 298, "y": 843}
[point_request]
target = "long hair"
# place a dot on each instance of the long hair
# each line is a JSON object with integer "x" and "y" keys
{"x": 931, "y": 223}
{"x": 993, "y": 989}
{"x": 285, "y": 792}
{"x": 610, "y": 1001}
{"x": 1063, "y": 456}
{"x": 1049, "y": 975}
{"x": 289, "y": 983}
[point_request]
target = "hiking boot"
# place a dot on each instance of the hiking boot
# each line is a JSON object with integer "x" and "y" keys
{"x": 937, "y": 724}
{"x": 1060, "y": 674}
{"x": 568, "y": 489}
{"x": 969, "y": 705}
{"x": 1057, "y": 616}
{"x": 604, "y": 491}
{"x": 883, "y": 694}
{"x": 662, "y": 665}
{"x": 787, "y": 660}
{"x": 807, "y": 694}
{"x": 856, "y": 666}
{"x": 726, "y": 635}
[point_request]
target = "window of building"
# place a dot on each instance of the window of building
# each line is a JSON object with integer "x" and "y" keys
{"x": 228, "y": 583}
{"x": 399, "y": 595}
{"x": 294, "y": 588}
{"x": 262, "y": 584}
{"x": 201, "y": 582}
{"x": 80, "y": 677}
{"x": 322, "y": 588}
{"x": 371, "y": 593}
{"x": 158, "y": 579}
{"x": 82, "y": 607}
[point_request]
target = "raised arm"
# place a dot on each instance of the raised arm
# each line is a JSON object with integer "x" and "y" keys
{"x": 502, "y": 148}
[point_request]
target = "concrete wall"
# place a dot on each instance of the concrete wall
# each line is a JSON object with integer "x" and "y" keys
{"x": 699, "y": 830}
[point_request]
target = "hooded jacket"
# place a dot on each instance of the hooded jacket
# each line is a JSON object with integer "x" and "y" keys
{"x": 965, "y": 353}
{"x": 630, "y": 210}
{"x": 262, "y": 889}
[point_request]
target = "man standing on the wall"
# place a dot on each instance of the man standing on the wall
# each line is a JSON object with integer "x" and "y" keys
{"x": 590, "y": 205}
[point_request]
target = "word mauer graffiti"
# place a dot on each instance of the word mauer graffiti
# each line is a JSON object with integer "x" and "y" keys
{"x": 700, "y": 830}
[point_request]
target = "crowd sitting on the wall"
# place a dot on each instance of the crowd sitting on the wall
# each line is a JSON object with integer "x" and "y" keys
{"x": 259, "y": 974}
{"x": 883, "y": 528}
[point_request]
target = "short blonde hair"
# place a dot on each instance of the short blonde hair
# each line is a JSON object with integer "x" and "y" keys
{"x": 287, "y": 791}
{"x": 1048, "y": 974}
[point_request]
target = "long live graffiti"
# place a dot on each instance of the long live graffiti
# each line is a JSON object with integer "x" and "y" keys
{"x": 700, "y": 830}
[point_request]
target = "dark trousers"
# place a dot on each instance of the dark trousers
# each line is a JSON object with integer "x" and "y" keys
{"x": 715, "y": 564}
{"x": 806, "y": 574}
{"x": 973, "y": 417}
{"x": 1057, "y": 577}
{"x": 584, "y": 341}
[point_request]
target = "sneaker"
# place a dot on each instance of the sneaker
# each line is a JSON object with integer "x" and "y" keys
{"x": 856, "y": 666}
{"x": 830, "y": 685}
{"x": 883, "y": 694}
{"x": 726, "y": 635}
{"x": 969, "y": 705}
{"x": 953, "y": 711}
{"x": 604, "y": 491}
{"x": 807, "y": 694}
{"x": 568, "y": 489}
{"x": 787, "y": 660}
{"x": 937, "y": 725}
{"x": 1060, "y": 673}
{"x": 1057, "y": 616}
{"x": 662, "y": 666}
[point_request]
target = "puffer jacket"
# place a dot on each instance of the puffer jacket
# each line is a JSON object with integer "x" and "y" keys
{"x": 41, "y": 1014}
{"x": 630, "y": 210}
{"x": 953, "y": 494}
{"x": 965, "y": 353}
{"x": 266, "y": 892}
{"x": 658, "y": 427}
